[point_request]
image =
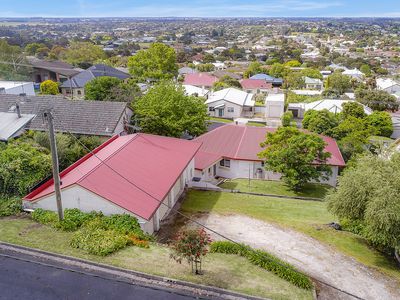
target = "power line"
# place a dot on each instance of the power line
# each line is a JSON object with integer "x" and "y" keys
{"x": 199, "y": 223}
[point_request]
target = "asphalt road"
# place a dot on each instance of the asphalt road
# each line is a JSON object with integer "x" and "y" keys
{"x": 21, "y": 279}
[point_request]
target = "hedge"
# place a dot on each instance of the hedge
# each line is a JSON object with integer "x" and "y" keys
{"x": 265, "y": 261}
{"x": 10, "y": 206}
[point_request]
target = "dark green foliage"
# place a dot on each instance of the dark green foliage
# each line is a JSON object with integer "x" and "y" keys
{"x": 287, "y": 118}
{"x": 265, "y": 261}
{"x": 352, "y": 109}
{"x": 293, "y": 154}
{"x": 319, "y": 121}
{"x": 377, "y": 99}
{"x": 74, "y": 219}
{"x": 166, "y": 110}
{"x": 45, "y": 217}
{"x": 381, "y": 122}
{"x": 22, "y": 165}
{"x": 10, "y": 206}
{"x": 100, "y": 88}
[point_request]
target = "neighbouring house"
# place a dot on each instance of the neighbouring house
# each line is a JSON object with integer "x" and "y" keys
{"x": 100, "y": 118}
{"x": 75, "y": 87}
{"x": 51, "y": 70}
{"x": 17, "y": 87}
{"x": 144, "y": 175}
{"x": 388, "y": 85}
{"x": 332, "y": 105}
{"x": 276, "y": 82}
{"x": 221, "y": 73}
{"x": 396, "y": 125}
{"x": 13, "y": 123}
{"x": 201, "y": 80}
{"x": 219, "y": 65}
{"x": 354, "y": 73}
{"x": 313, "y": 83}
{"x": 231, "y": 151}
{"x": 230, "y": 103}
{"x": 186, "y": 70}
{"x": 255, "y": 86}
{"x": 192, "y": 90}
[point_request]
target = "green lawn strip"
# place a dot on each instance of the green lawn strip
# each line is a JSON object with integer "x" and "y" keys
{"x": 275, "y": 188}
{"x": 257, "y": 124}
{"x": 221, "y": 270}
{"x": 307, "y": 217}
{"x": 221, "y": 120}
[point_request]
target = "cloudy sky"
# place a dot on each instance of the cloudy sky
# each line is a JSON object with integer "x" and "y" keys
{"x": 200, "y": 8}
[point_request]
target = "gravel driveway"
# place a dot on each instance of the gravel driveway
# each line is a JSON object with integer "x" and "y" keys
{"x": 309, "y": 255}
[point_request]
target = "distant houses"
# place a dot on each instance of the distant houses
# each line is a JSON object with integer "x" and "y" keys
{"x": 201, "y": 80}
{"x": 275, "y": 82}
{"x": 255, "y": 86}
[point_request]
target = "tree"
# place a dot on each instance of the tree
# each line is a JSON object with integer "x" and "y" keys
{"x": 312, "y": 73}
{"x": 156, "y": 63}
{"x": 377, "y": 99}
{"x": 191, "y": 245}
{"x": 49, "y": 87}
{"x": 225, "y": 82}
{"x": 298, "y": 156}
{"x": 294, "y": 80}
{"x": 367, "y": 194}
{"x": 22, "y": 165}
{"x": 338, "y": 82}
{"x": 287, "y": 118}
{"x": 205, "y": 67}
{"x": 166, "y": 110}
{"x": 366, "y": 70}
{"x": 292, "y": 64}
{"x": 100, "y": 88}
{"x": 319, "y": 121}
{"x": 83, "y": 54}
{"x": 13, "y": 60}
{"x": 381, "y": 122}
{"x": 352, "y": 109}
{"x": 277, "y": 70}
{"x": 253, "y": 69}
{"x": 32, "y": 48}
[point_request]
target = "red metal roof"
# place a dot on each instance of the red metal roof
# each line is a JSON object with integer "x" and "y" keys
{"x": 152, "y": 163}
{"x": 255, "y": 84}
{"x": 200, "y": 79}
{"x": 243, "y": 143}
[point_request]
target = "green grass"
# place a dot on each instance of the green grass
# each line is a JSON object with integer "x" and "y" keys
{"x": 220, "y": 270}
{"x": 308, "y": 217}
{"x": 222, "y": 120}
{"x": 275, "y": 188}
{"x": 258, "y": 124}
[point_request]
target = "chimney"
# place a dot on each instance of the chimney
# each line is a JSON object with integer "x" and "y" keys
{"x": 17, "y": 109}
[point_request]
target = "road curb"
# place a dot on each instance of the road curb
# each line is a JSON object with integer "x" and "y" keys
{"x": 183, "y": 286}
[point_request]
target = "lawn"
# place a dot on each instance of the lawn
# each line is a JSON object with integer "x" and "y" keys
{"x": 221, "y": 270}
{"x": 275, "y": 188}
{"x": 257, "y": 124}
{"x": 308, "y": 217}
{"x": 221, "y": 120}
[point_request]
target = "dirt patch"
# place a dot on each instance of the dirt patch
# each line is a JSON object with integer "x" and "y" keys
{"x": 29, "y": 228}
{"x": 308, "y": 255}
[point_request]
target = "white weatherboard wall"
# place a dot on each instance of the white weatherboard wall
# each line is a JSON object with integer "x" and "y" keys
{"x": 253, "y": 169}
{"x": 237, "y": 109}
{"x": 76, "y": 196}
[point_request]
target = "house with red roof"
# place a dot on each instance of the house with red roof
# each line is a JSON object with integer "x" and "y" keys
{"x": 201, "y": 80}
{"x": 140, "y": 174}
{"x": 255, "y": 86}
{"x": 230, "y": 151}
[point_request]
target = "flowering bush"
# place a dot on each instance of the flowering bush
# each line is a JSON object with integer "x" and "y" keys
{"x": 191, "y": 245}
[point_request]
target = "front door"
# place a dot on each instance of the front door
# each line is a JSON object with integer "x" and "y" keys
{"x": 215, "y": 170}
{"x": 220, "y": 112}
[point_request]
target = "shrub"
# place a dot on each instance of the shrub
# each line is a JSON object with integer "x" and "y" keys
{"x": 10, "y": 206}
{"x": 137, "y": 241}
{"x": 74, "y": 219}
{"x": 353, "y": 226}
{"x": 45, "y": 216}
{"x": 265, "y": 261}
{"x": 98, "y": 241}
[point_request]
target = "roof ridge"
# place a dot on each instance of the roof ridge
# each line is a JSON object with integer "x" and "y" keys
{"x": 102, "y": 161}
{"x": 241, "y": 140}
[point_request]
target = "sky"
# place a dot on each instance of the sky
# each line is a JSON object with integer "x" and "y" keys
{"x": 200, "y": 8}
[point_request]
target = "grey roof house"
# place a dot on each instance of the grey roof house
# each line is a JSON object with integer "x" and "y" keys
{"x": 77, "y": 83}
{"x": 101, "y": 118}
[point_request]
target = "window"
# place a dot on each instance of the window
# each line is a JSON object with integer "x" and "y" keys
{"x": 231, "y": 109}
{"x": 79, "y": 93}
{"x": 262, "y": 164}
{"x": 211, "y": 108}
{"x": 225, "y": 163}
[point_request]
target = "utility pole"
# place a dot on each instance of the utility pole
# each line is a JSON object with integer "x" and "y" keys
{"x": 54, "y": 157}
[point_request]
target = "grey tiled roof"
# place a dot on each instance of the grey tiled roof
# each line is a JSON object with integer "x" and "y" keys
{"x": 75, "y": 116}
{"x": 54, "y": 66}
{"x": 79, "y": 80}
